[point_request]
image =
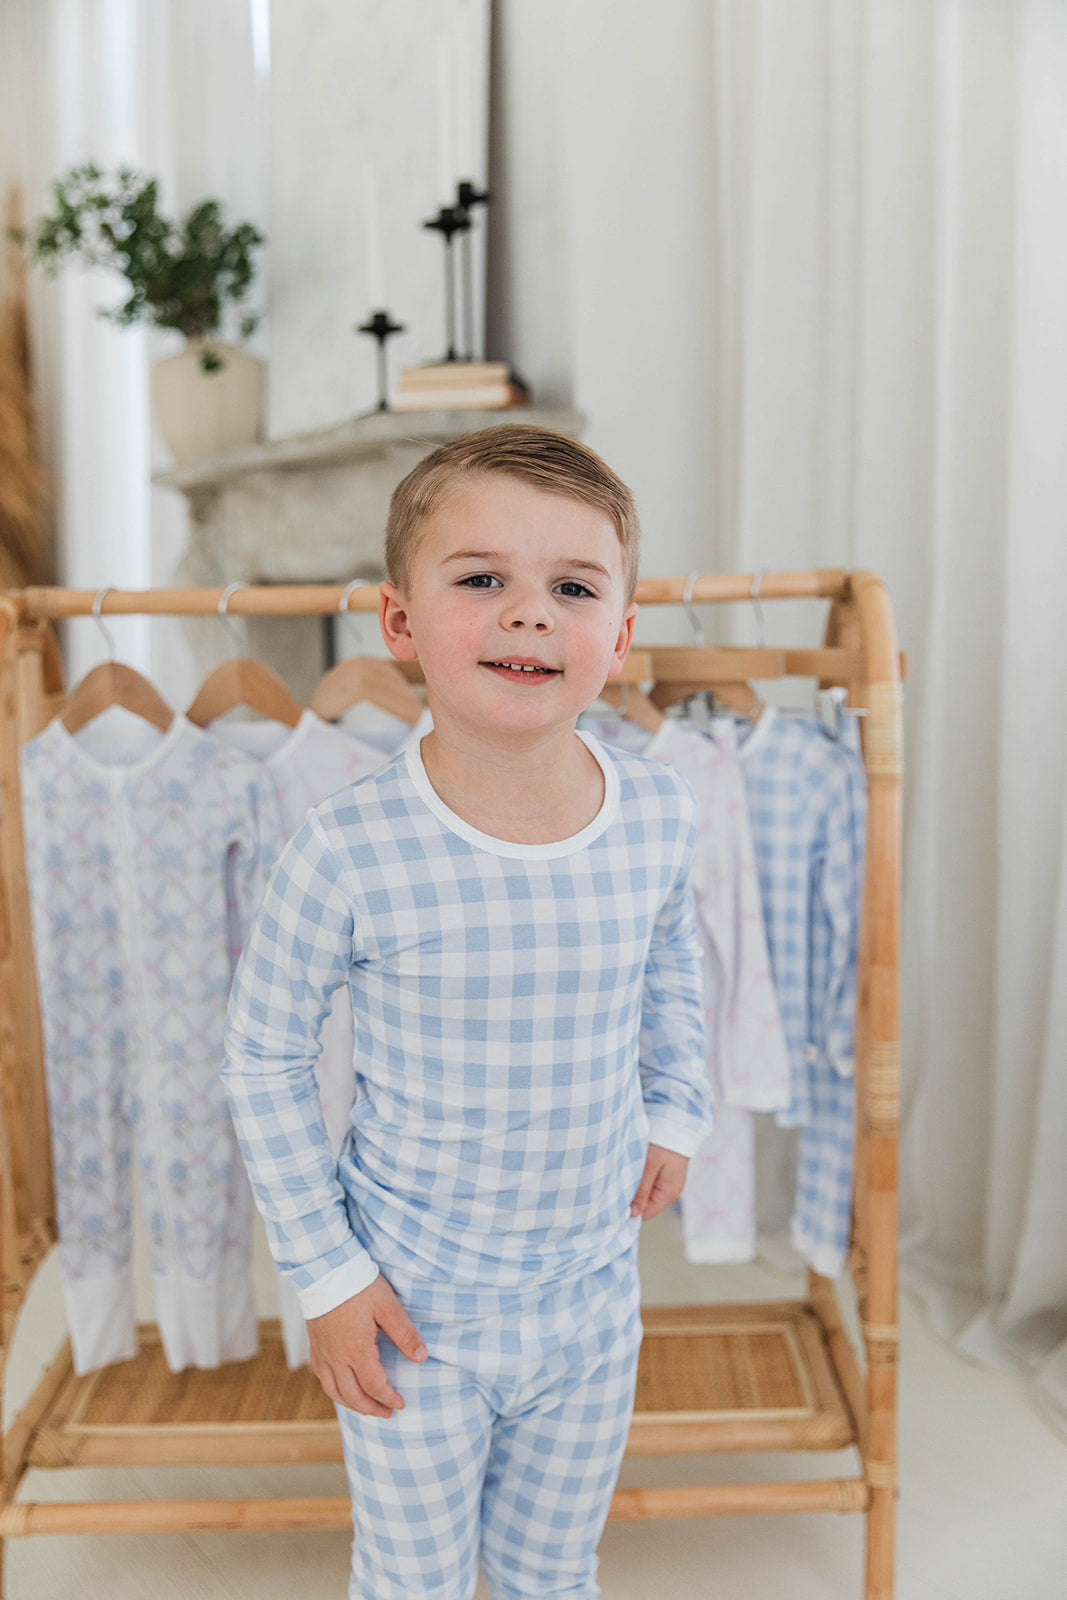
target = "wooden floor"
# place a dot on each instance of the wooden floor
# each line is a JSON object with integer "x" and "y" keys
{"x": 984, "y": 1486}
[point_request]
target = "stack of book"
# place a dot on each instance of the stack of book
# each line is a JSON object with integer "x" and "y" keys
{"x": 459, "y": 386}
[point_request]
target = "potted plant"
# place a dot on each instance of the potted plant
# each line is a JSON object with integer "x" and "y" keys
{"x": 209, "y": 397}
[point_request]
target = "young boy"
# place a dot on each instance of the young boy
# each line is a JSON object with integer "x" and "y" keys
{"x": 508, "y": 905}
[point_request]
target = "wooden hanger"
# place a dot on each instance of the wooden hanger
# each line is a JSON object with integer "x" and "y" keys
{"x": 366, "y": 678}
{"x": 634, "y": 703}
{"x": 739, "y": 697}
{"x": 114, "y": 684}
{"x": 625, "y": 692}
{"x": 370, "y": 678}
{"x": 242, "y": 681}
{"x": 682, "y": 671}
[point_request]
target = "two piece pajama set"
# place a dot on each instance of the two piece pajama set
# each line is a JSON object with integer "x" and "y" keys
{"x": 526, "y": 1019}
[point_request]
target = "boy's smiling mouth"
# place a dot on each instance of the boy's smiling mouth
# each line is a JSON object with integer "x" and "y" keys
{"x": 522, "y": 669}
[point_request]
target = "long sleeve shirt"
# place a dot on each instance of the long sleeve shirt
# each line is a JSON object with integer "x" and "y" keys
{"x": 527, "y": 1019}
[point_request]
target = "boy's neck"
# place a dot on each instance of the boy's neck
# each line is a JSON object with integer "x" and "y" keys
{"x": 535, "y": 789}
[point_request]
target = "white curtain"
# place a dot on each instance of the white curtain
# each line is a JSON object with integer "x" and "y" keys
{"x": 175, "y": 89}
{"x": 891, "y": 202}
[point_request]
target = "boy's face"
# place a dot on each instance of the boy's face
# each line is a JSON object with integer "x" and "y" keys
{"x": 506, "y": 576}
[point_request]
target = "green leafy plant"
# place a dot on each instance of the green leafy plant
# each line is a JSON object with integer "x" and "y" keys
{"x": 180, "y": 274}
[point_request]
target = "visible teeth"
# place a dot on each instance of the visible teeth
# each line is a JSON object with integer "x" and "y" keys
{"x": 513, "y": 667}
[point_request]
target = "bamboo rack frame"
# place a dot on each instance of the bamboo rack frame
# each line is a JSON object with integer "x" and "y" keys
{"x": 849, "y": 1401}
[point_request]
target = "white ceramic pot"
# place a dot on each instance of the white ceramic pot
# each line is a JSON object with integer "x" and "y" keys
{"x": 208, "y": 413}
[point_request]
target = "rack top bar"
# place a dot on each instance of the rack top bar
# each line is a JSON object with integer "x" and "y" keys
{"x": 319, "y": 599}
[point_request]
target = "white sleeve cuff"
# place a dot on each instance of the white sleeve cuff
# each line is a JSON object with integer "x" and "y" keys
{"x": 337, "y": 1286}
{"x": 677, "y": 1136}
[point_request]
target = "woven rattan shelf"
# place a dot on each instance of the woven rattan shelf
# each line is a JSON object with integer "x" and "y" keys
{"x": 778, "y": 1376}
{"x": 714, "y": 1379}
{"x": 703, "y": 1370}
{"x": 140, "y": 1412}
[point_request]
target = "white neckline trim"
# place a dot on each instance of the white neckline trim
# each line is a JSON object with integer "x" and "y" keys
{"x": 768, "y": 717}
{"x": 294, "y": 738}
{"x": 662, "y": 736}
{"x": 509, "y": 847}
{"x": 310, "y": 722}
{"x": 122, "y": 769}
{"x": 720, "y": 739}
{"x": 291, "y": 738}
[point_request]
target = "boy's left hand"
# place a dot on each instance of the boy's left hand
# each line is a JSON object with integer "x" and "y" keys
{"x": 663, "y": 1181}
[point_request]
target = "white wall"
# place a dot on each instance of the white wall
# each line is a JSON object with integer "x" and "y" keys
{"x": 601, "y": 254}
{"x": 357, "y": 89}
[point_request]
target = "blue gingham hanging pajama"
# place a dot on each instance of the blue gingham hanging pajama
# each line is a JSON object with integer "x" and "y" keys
{"x": 807, "y": 804}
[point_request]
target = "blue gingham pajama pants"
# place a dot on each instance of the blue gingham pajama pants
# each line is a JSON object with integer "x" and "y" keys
{"x": 507, "y": 1449}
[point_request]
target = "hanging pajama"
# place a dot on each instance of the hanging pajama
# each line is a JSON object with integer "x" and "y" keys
{"x": 307, "y": 764}
{"x": 747, "y": 1058}
{"x": 745, "y": 1039}
{"x": 807, "y": 804}
{"x": 146, "y": 857}
{"x": 821, "y": 1222}
{"x": 747, "y": 1054}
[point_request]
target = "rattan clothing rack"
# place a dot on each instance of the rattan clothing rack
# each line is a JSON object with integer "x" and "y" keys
{"x": 774, "y": 1376}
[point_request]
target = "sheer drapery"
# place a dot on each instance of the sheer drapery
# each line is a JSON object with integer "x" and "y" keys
{"x": 892, "y": 328}
{"x": 175, "y": 90}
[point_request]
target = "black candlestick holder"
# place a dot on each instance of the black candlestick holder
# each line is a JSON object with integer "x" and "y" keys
{"x": 468, "y": 195}
{"x": 382, "y": 326}
{"x": 448, "y": 221}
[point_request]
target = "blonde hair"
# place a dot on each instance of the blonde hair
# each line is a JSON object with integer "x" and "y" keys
{"x": 539, "y": 456}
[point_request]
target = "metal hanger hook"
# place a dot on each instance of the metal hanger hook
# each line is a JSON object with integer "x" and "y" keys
{"x": 356, "y": 583}
{"x": 687, "y": 601}
{"x": 761, "y": 631}
{"x": 227, "y": 621}
{"x": 97, "y": 603}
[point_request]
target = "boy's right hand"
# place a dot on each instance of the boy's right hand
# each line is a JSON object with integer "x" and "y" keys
{"x": 344, "y": 1349}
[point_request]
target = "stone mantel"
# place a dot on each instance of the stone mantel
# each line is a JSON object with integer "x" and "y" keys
{"x": 369, "y": 434}
{"x": 311, "y": 508}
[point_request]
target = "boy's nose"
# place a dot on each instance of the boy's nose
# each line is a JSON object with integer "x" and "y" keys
{"x": 527, "y": 611}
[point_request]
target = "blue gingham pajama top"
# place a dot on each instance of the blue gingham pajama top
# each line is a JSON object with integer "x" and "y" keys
{"x": 527, "y": 1018}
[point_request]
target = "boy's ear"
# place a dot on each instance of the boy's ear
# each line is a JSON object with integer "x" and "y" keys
{"x": 393, "y": 620}
{"x": 624, "y": 641}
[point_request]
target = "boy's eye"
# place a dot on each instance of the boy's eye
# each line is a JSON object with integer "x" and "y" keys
{"x": 479, "y": 580}
{"x": 573, "y": 590}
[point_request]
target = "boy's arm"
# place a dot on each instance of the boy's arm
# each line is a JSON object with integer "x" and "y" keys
{"x": 673, "y": 1058}
{"x": 299, "y": 951}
